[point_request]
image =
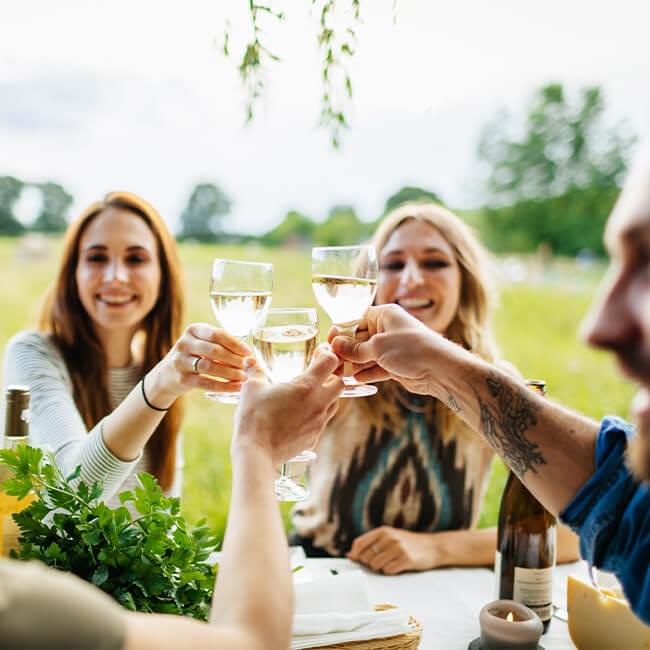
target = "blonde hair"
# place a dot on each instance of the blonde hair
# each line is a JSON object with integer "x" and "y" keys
{"x": 471, "y": 326}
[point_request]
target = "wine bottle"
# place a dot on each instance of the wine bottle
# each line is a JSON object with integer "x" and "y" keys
{"x": 526, "y": 541}
{"x": 16, "y": 432}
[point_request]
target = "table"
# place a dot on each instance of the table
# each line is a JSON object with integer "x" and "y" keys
{"x": 447, "y": 601}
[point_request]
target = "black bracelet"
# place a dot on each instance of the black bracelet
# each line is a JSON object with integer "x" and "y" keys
{"x": 147, "y": 402}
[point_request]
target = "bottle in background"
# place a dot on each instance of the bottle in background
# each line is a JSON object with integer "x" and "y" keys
{"x": 526, "y": 542}
{"x": 16, "y": 432}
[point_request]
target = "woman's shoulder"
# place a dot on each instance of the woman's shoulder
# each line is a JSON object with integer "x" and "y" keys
{"x": 33, "y": 340}
{"x": 34, "y": 350}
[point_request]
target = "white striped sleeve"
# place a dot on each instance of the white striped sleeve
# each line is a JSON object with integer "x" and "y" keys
{"x": 56, "y": 424}
{"x": 176, "y": 489}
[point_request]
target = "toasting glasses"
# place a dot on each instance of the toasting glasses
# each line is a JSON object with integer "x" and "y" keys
{"x": 284, "y": 342}
{"x": 344, "y": 279}
{"x": 239, "y": 293}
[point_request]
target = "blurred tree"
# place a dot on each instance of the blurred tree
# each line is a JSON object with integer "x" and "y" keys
{"x": 557, "y": 181}
{"x": 341, "y": 227}
{"x": 295, "y": 228}
{"x": 201, "y": 219}
{"x": 408, "y": 194}
{"x": 54, "y": 209}
{"x": 10, "y": 189}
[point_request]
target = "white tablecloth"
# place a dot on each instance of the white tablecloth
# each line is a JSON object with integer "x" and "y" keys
{"x": 447, "y": 601}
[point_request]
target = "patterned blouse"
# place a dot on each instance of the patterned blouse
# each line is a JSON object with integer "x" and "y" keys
{"x": 383, "y": 461}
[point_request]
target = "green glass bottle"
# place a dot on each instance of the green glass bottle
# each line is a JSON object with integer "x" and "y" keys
{"x": 526, "y": 545}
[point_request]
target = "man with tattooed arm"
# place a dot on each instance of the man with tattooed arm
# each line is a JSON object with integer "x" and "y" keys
{"x": 596, "y": 476}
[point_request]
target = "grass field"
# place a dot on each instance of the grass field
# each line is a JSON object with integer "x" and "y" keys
{"x": 536, "y": 328}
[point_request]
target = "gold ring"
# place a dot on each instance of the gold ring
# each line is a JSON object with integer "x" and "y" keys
{"x": 195, "y": 364}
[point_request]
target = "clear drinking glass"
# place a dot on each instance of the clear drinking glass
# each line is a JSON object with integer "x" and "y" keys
{"x": 284, "y": 342}
{"x": 344, "y": 279}
{"x": 239, "y": 293}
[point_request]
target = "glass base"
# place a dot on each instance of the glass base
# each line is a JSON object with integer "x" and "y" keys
{"x": 288, "y": 490}
{"x": 355, "y": 389}
{"x": 305, "y": 456}
{"x": 224, "y": 398}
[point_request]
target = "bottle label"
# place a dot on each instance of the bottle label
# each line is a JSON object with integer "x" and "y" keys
{"x": 534, "y": 588}
{"x": 497, "y": 574}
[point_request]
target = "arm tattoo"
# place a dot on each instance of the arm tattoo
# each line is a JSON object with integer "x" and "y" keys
{"x": 453, "y": 404}
{"x": 506, "y": 422}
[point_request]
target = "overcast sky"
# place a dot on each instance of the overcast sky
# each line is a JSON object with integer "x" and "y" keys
{"x": 106, "y": 95}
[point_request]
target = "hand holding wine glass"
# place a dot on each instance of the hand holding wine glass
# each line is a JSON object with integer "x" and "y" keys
{"x": 344, "y": 279}
{"x": 239, "y": 293}
{"x": 203, "y": 357}
{"x": 284, "y": 341}
{"x": 267, "y": 415}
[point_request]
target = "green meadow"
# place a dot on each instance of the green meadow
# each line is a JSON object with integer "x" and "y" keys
{"x": 536, "y": 327}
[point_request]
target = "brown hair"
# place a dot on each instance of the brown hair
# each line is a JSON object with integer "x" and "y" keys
{"x": 65, "y": 319}
{"x": 471, "y": 326}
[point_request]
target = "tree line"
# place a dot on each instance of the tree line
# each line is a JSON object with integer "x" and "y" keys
{"x": 53, "y": 213}
{"x": 551, "y": 179}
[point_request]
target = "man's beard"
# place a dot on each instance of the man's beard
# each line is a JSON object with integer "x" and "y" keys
{"x": 638, "y": 453}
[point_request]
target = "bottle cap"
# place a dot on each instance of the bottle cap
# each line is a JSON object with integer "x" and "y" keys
{"x": 538, "y": 385}
{"x": 17, "y": 411}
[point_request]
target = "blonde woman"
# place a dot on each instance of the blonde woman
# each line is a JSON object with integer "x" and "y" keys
{"x": 399, "y": 480}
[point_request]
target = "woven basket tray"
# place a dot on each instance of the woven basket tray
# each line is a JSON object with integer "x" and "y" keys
{"x": 408, "y": 641}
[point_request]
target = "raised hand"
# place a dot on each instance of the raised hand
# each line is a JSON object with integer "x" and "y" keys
{"x": 391, "y": 344}
{"x": 286, "y": 418}
{"x": 203, "y": 357}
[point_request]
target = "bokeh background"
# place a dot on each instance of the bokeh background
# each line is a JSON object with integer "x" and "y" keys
{"x": 521, "y": 117}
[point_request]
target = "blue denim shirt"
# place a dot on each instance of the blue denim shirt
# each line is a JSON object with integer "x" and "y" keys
{"x": 611, "y": 513}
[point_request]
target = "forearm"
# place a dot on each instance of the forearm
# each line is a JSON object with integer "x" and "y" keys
{"x": 128, "y": 428}
{"x": 550, "y": 448}
{"x": 476, "y": 547}
{"x": 169, "y": 632}
{"x": 568, "y": 545}
{"x": 254, "y": 586}
{"x": 464, "y": 547}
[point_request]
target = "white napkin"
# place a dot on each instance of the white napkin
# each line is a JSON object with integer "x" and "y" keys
{"x": 345, "y": 593}
{"x": 337, "y": 609}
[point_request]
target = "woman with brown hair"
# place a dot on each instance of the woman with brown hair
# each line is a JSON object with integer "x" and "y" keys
{"x": 399, "y": 480}
{"x": 109, "y": 363}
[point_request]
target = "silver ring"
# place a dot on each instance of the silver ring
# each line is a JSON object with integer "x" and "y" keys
{"x": 375, "y": 549}
{"x": 195, "y": 364}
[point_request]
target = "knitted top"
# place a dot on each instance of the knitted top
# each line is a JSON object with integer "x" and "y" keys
{"x": 32, "y": 359}
{"x": 383, "y": 461}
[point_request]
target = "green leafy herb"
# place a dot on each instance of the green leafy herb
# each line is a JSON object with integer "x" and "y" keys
{"x": 153, "y": 562}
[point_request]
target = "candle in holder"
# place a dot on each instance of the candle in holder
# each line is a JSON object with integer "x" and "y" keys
{"x": 507, "y": 625}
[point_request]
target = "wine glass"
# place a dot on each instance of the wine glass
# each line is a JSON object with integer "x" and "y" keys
{"x": 284, "y": 342}
{"x": 344, "y": 279}
{"x": 239, "y": 293}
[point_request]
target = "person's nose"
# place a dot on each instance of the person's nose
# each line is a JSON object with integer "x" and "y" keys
{"x": 412, "y": 274}
{"x": 116, "y": 271}
{"x": 612, "y": 322}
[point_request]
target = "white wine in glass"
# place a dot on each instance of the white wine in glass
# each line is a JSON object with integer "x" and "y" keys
{"x": 239, "y": 293}
{"x": 284, "y": 342}
{"x": 344, "y": 279}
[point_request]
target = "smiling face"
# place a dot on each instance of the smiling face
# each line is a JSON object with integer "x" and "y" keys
{"x": 118, "y": 271}
{"x": 419, "y": 271}
{"x": 620, "y": 321}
